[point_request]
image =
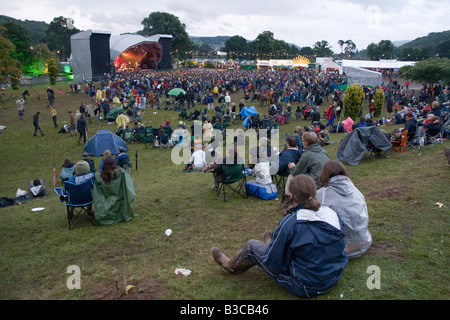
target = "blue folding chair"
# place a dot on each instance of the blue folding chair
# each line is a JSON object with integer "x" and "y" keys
{"x": 79, "y": 202}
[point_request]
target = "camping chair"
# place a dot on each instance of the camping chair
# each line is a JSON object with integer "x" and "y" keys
{"x": 148, "y": 137}
{"x": 401, "y": 145}
{"x": 280, "y": 182}
{"x": 124, "y": 162}
{"x": 164, "y": 141}
{"x": 234, "y": 182}
{"x": 79, "y": 202}
{"x": 128, "y": 136}
{"x": 140, "y": 134}
{"x": 438, "y": 138}
{"x": 419, "y": 138}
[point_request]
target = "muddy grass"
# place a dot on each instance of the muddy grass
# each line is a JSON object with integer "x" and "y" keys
{"x": 387, "y": 193}
{"x": 141, "y": 290}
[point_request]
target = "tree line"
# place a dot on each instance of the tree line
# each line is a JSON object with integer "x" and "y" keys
{"x": 19, "y": 54}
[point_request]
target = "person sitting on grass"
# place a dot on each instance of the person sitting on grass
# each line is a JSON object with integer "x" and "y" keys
{"x": 197, "y": 160}
{"x": 340, "y": 194}
{"x": 67, "y": 170}
{"x": 113, "y": 194}
{"x": 304, "y": 254}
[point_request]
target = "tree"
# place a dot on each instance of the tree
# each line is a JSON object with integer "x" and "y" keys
{"x": 306, "y": 51}
{"x": 350, "y": 48}
{"x": 383, "y": 50}
{"x": 166, "y": 23}
{"x": 428, "y": 71}
{"x": 20, "y": 37}
{"x": 379, "y": 102}
{"x": 264, "y": 44}
{"x": 57, "y": 36}
{"x": 443, "y": 49}
{"x": 10, "y": 68}
{"x": 322, "y": 49}
{"x": 353, "y": 101}
{"x": 235, "y": 47}
{"x": 341, "y": 44}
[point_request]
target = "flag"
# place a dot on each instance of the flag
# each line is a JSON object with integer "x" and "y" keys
{"x": 54, "y": 175}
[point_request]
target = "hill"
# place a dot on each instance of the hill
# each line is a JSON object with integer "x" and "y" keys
{"x": 216, "y": 43}
{"x": 36, "y": 28}
{"x": 436, "y": 42}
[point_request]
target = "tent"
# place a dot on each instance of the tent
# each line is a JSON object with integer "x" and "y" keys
{"x": 248, "y": 111}
{"x": 362, "y": 77}
{"x": 114, "y": 113}
{"x": 102, "y": 141}
{"x": 352, "y": 148}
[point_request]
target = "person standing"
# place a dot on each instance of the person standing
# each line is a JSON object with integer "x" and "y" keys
{"x": 36, "y": 124}
{"x": 20, "y": 103}
{"x": 54, "y": 113}
{"x": 50, "y": 96}
{"x": 25, "y": 94}
{"x": 82, "y": 128}
{"x": 372, "y": 108}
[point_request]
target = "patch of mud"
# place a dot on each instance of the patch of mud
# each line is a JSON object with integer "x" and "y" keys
{"x": 386, "y": 249}
{"x": 387, "y": 193}
{"x": 142, "y": 290}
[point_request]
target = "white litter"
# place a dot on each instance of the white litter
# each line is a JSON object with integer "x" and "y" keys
{"x": 182, "y": 271}
{"x": 37, "y": 209}
{"x": 168, "y": 232}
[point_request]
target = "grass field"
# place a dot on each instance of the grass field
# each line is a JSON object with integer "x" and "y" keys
{"x": 410, "y": 232}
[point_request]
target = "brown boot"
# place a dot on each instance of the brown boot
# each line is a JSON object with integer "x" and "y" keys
{"x": 221, "y": 260}
{"x": 236, "y": 265}
{"x": 268, "y": 236}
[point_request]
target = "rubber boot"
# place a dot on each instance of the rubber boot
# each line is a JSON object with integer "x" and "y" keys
{"x": 236, "y": 265}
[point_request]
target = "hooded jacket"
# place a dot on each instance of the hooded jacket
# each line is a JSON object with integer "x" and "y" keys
{"x": 348, "y": 202}
{"x": 311, "y": 162}
{"x": 307, "y": 247}
{"x": 287, "y": 156}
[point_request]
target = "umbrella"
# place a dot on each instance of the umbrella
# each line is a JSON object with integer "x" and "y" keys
{"x": 176, "y": 92}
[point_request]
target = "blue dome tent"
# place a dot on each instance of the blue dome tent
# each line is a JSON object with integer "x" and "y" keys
{"x": 104, "y": 140}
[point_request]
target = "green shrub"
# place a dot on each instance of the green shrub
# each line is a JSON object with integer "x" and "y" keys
{"x": 353, "y": 101}
{"x": 379, "y": 102}
{"x": 52, "y": 71}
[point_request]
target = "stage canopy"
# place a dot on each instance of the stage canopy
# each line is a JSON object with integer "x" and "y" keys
{"x": 135, "y": 51}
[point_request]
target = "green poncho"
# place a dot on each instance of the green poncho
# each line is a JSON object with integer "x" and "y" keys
{"x": 113, "y": 201}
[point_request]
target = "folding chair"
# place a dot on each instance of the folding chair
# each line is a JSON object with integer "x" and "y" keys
{"x": 437, "y": 138}
{"x": 234, "y": 182}
{"x": 280, "y": 182}
{"x": 164, "y": 141}
{"x": 148, "y": 137}
{"x": 128, "y": 136}
{"x": 401, "y": 145}
{"x": 79, "y": 202}
{"x": 124, "y": 162}
{"x": 419, "y": 138}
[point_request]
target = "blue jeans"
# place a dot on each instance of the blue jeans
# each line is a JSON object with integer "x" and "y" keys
{"x": 251, "y": 254}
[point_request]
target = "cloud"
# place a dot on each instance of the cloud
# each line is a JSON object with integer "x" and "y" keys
{"x": 298, "y": 22}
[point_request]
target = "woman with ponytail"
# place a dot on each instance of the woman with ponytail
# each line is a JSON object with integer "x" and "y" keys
{"x": 305, "y": 253}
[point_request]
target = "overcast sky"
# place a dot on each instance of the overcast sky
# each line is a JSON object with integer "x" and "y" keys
{"x": 294, "y": 21}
